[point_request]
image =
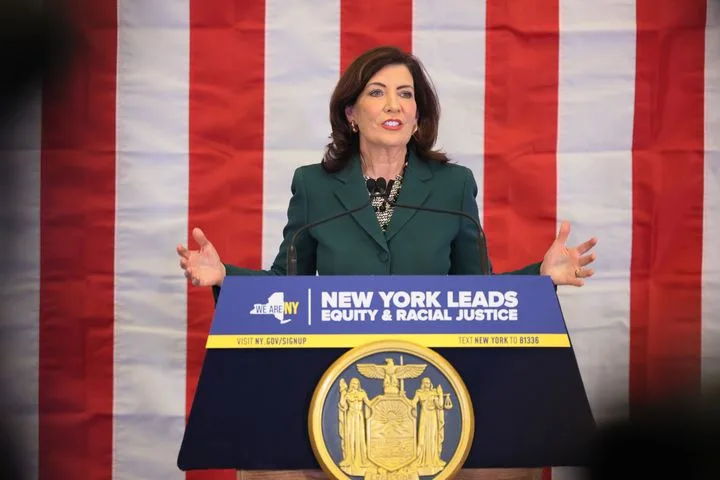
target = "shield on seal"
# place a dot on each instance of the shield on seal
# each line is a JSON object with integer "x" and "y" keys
{"x": 391, "y": 432}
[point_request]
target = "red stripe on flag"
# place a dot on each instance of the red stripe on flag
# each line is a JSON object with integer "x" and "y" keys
{"x": 227, "y": 85}
{"x": 520, "y": 130}
{"x": 371, "y": 23}
{"x": 77, "y": 257}
{"x": 521, "y": 95}
{"x": 666, "y": 269}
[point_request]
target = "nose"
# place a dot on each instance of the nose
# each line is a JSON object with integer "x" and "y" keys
{"x": 392, "y": 104}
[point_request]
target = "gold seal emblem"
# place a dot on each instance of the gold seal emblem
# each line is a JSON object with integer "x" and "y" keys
{"x": 391, "y": 410}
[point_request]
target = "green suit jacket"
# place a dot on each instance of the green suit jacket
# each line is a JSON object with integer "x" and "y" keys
{"x": 415, "y": 243}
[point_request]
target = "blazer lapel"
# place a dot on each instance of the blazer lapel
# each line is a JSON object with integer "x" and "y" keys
{"x": 352, "y": 194}
{"x": 414, "y": 191}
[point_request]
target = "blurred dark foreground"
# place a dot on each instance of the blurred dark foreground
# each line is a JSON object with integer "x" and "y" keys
{"x": 37, "y": 43}
{"x": 678, "y": 437}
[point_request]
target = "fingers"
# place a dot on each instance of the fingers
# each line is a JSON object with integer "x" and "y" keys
{"x": 193, "y": 279}
{"x": 184, "y": 262}
{"x": 581, "y": 273}
{"x": 185, "y": 256}
{"x": 587, "y": 245}
{"x": 587, "y": 259}
{"x": 563, "y": 232}
{"x": 580, "y": 276}
{"x": 199, "y": 237}
{"x": 585, "y": 273}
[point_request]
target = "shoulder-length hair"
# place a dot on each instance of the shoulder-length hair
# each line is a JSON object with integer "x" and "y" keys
{"x": 345, "y": 143}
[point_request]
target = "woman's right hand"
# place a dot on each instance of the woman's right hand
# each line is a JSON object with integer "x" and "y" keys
{"x": 202, "y": 267}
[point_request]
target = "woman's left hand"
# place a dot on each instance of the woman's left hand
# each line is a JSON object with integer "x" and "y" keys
{"x": 567, "y": 266}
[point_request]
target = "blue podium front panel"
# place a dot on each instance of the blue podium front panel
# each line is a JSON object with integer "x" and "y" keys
{"x": 273, "y": 338}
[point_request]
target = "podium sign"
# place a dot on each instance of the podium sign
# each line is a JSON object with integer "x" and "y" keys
{"x": 336, "y": 312}
{"x": 276, "y": 363}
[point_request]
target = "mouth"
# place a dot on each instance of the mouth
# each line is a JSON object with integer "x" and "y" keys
{"x": 392, "y": 124}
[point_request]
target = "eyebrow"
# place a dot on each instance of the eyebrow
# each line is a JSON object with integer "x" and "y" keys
{"x": 385, "y": 86}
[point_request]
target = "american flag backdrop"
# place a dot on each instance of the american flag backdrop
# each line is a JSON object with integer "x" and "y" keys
{"x": 184, "y": 113}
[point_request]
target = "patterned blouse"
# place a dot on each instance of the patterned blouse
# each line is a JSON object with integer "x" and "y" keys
{"x": 383, "y": 209}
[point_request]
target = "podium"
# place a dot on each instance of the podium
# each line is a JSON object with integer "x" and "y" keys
{"x": 273, "y": 338}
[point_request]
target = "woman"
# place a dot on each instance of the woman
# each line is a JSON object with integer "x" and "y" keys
{"x": 384, "y": 116}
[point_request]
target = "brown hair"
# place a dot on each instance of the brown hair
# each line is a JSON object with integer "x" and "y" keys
{"x": 345, "y": 143}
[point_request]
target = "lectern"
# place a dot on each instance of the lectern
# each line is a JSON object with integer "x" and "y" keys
{"x": 273, "y": 339}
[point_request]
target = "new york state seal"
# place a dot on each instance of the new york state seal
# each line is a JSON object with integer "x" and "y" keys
{"x": 391, "y": 410}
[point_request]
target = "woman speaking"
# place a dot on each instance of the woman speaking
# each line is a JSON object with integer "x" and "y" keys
{"x": 384, "y": 117}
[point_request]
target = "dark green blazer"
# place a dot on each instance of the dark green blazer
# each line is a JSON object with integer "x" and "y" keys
{"x": 416, "y": 242}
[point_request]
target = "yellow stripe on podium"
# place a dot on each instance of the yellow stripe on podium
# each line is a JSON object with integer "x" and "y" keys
{"x": 509, "y": 340}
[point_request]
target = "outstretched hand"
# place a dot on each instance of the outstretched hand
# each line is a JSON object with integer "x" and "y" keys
{"x": 567, "y": 266}
{"x": 202, "y": 267}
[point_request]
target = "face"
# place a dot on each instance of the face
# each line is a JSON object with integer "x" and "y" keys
{"x": 385, "y": 112}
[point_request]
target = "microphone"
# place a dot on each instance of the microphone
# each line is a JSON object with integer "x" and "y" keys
{"x": 379, "y": 186}
{"x": 291, "y": 265}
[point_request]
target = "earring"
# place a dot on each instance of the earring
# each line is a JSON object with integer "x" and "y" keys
{"x": 415, "y": 130}
{"x": 353, "y": 126}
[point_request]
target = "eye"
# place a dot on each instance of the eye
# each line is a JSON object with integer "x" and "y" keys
{"x": 375, "y": 92}
{"x": 406, "y": 94}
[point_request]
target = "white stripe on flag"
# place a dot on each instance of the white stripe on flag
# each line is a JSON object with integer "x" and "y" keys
{"x": 152, "y": 203}
{"x": 711, "y": 219}
{"x": 302, "y": 64}
{"x": 595, "y": 135}
{"x": 449, "y": 38}
{"x": 20, "y": 140}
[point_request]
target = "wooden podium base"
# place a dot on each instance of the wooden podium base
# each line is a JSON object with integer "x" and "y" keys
{"x": 465, "y": 474}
